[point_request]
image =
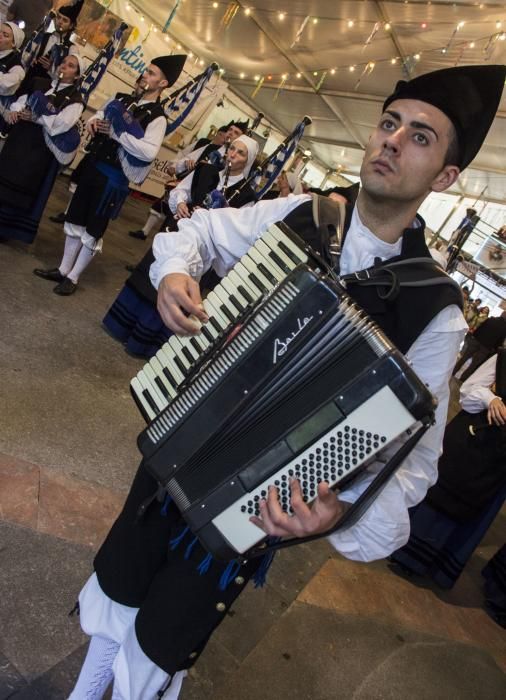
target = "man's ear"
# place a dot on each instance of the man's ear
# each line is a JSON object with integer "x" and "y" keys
{"x": 164, "y": 84}
{"x": 445, "y": 178}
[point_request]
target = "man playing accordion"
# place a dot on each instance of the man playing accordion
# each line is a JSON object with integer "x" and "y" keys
{"x": 148, "y": 610}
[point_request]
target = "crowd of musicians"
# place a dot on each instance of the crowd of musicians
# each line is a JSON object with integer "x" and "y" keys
{"x": 208, "y": 217}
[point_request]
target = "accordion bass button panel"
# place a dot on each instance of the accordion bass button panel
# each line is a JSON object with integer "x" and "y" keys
{"x": 256, "y": 274}
{"x": 342, "y": 450}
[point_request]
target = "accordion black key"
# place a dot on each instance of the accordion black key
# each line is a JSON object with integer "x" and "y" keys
{"x": 289, "y": 379}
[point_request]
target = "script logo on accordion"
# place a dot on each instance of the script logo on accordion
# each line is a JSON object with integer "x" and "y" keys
{"x": 281, "y": 345}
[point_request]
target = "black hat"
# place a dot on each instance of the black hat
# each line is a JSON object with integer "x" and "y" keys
{"x": 72, "y": 11}
{"x": 468, "y": 95}
{"x": 243, "y": 126}
{"x": 171, "y": 66}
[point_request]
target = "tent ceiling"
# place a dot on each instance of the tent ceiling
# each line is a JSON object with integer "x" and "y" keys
{"x": 343, "y": 112}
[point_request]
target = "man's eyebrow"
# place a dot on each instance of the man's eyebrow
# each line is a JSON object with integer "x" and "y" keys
{"x": 415, "y": 124}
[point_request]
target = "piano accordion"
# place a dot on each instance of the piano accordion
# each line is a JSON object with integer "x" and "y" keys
{"x": 289, "y": 378}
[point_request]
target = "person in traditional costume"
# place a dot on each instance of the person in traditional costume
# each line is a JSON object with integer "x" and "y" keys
{"x": 458, "y": 510}
{"x": 133, "y": 318}
{"x": 128, "y": 134}
{"x": 36, "y": 148}
{"x": 160, "y": 209}
{"x": 53, "y": 48}
{"x": 148, "y": 610}
{"x": 11, "y": 70}
{"x": 59, "y": 218}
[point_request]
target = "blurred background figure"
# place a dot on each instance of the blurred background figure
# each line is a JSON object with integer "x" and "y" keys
{"x": 31, "y": 12}
{"x": 448, "y": 525}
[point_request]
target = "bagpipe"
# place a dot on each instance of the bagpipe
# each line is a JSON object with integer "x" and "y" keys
{"x": 64, "y": 146}
{"x": 264, "y": 175}
{"x": 31, "y": 50}
{"x": 178, "y": 105}
{"x": 215, "y": 197}
{"x": 122, "y": 120}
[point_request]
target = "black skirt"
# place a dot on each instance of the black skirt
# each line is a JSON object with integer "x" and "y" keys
{"x": 24, "y": 164}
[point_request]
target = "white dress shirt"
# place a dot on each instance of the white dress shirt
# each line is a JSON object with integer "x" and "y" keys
{"x": 218, "y": 238}
{"x": 10, "y": 81}
{"x": 476, "y": 393}
{"x": 58, "y": 123}
{"x": 145, "y": 148}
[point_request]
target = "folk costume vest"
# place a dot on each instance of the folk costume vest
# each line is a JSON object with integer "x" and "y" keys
{"x": 403, "y": 315}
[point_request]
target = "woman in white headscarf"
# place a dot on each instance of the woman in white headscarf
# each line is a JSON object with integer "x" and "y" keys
{"x": 192, "y": 191}
{"x": 11, "y": 70}
{"x": 133, "y": 318}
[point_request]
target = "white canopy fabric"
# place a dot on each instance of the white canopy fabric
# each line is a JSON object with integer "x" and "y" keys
{"x": 398, "y": 37}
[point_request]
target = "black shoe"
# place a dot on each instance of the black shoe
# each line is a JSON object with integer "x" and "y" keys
{"x": 59, "y": 218}
{"x": 54, "y": 274}
{"x": 65, "y": 288}
{"x": 138, "y": 234}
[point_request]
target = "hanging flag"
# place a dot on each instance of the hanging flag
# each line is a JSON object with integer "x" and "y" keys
{"x": 299, "y": 33}
{"x": 258, "y": 86}
{"x": 320, "y": 82}
{"x": 229, "y": 15}
{"x": 179, "y": 105}
{"x": 284, "y": 78}
{"x": 367, "y": 71}
{"x": 96, "y": 70}
{"x": 264, "y": 176}
{"x": 371, "y": 36}
{"x": 171, "y": 16}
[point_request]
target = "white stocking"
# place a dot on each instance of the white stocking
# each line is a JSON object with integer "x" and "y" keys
{"x": 136, "y": 677}
{"x": 83, "y": 260}
{"x": 96, "y": 673}
{"x": 70, "y": 252}
{"x": 153, "y": 219}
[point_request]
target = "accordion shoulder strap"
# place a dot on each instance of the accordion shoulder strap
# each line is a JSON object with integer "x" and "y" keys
{"x": 329, "y": 217}
{"x": 410, "y": 272}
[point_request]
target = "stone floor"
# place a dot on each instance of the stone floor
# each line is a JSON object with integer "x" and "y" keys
{"x": 322, "y": 628}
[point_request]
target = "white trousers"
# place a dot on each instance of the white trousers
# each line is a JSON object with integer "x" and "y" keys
{"x": 136, "y": 677}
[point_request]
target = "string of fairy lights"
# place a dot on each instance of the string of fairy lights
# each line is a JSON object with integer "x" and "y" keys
{"x": 454, "y": 48}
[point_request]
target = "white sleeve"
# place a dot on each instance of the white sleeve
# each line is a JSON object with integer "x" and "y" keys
{"x": 217, "y": 238}
{"x": 384, "y": 527}
{"x": 10, "y": 81}
{"x": 99, "y": 114}
{"x": 180, "y": 193}
{"x": 475, "y": 392}
{"x": 148, "y": 146}
{"x": 63, "y": 121}
{"x": 19, "y": 104}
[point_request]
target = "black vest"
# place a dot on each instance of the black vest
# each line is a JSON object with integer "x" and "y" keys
{"x": 104, "y": 148}
{"x": 405, "y": 317}
{"x": 12, "y": 59}
{"x": 64, "y": 98}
